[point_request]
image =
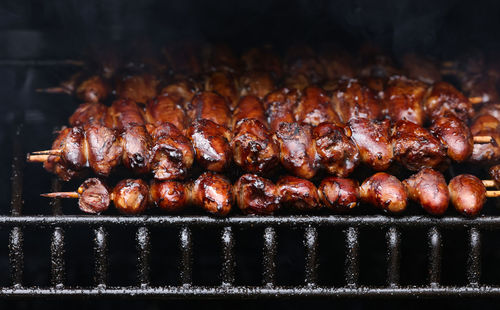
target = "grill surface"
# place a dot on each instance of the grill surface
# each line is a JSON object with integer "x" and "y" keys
{"x": 310, "y": 226}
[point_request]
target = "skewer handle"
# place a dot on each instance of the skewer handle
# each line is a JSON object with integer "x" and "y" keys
{"x": 475, "y": 100}
{"x": 36, "y": 158}
{"x": 61, "y": 195}
{"x": 489, "y": 183}
{"x": 492, "y": 194}
{"x": 483, "y": 139}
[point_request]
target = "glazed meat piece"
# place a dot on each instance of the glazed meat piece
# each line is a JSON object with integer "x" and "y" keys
{"x": 352, "y": 100}
{"x": 301, "y": 60}
{"x": 415, "y": 148}
{"x": 455, "y": 136}
{"x": 420, "y": 68}
{"x": 492, "y": 109}
{"x": 73, "y": 149}
{"x": 297, "y": 81}
{"x": 94, "y": 89}
{"x": 137, "y": 145}
{"x": 89, "y": 113}
{"x": 373, "y": 141}
{"x": 385, "y": 192}
{"x": 442, "y": 98}
{"x": 263, "y": 60}
{"x": 256, "y": 195}
{"x": 279, "y": 106}
{"x": 254, "y": 148}
{"x": 467, "y": 194}
{"x": 104, "y": 149}
{"x": 297, "y": 150}
{"x": 165, "y": 109}
{"x": 131, "y": 196}
{"x": 181, "y": 91}
{"x": 220, "y": 57}
{"x": 481, "y": 86}
{"x": 338, "y": 64}
{"x": 124, "y": 113}
{"x": 169, "y": 196}
{"x": 94, "y": 196}
{"x": 172, "y": 154}
{"x": 403, "y": 99}
{"x": 210, "y": 106}
{"x": 138, "y": 88}
{"x": 495, "y": 174}
{"x": 428, "y": 187}
{"x": 298, "y": 193}
{"x": 337, "y": 152}
{"x": 249, "y": 107}
{"x": 256, "y": 83}
{"x": 54, "y": 163}
{"x": 314, "y": 107}
{"x": 211, "y": 144}
{"x": 339, "y": 194}
{"x": 224, "y": 84}
{"x": 213, "y": 193}
{"x": 486, "y": 153}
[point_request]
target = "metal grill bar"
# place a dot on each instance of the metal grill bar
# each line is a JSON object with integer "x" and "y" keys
{"x": 434, "y": 256}
{"x": 227, "y": 256}
{"x": 311, "y": 243}
{"x": 269, "y": 256}
{"x": 351, "y": 262}
{"x": 186, "y": 256}
{"x": 473, "y": 262}
{"x": 393, "y": 255}
{"x": 16, "y": 256}
{"x": 101, "y": 256}
{"x": 144, "y": 248}
{"x": 57, "y": 242}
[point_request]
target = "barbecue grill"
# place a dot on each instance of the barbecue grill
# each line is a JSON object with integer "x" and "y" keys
{"x": 309, "y": 232}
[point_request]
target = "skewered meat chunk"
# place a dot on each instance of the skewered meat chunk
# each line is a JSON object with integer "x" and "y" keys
{"x": 170, "y": 196}
{"x": 138, "y": 88}
{"x": 55, "y": 163}
{"x": 421, "y": 68}
{"x": 403, "y": 99}
{"x": 94, "y": 89}
{"x": 489, "y": 153}
{"x": 165, "y": 109}
{"x": 442, "y": 99}
{"x": 301, "y": 60}
{"x": 182, "y": 91}
{"x": 297, "y": 81}
{"x": 223, "y": 84}
{"x": 339, "y": 194}
{"x": 415, "y": 148}
{"x": 481, "y": 86}
{"x": 137, "y": 145}
{"x": 297, "y": 150}
{"x": 211, "y": 143}
{"x": 256, "y": 195}
{"x": 104, "y": 149}
{"x": 492, "y": 109}
{"x": 212, "y": 192}
{"x": 124, "y": 113}
{"x": 428, "y": 187}
{"x": 279, "y": 106}
{"x": 373, "y": 141}
{"x": 257, "y": 84}
{"x": 467, "y": 194}
{"x": 298, "y": 193}
{"x": 89, "y": 113}
{"x": 385, "y": 192}
{"x": 210, "y": 106}
{"x": 249, "y": 107}
{"x": 131, "y": 196}
{"x": 336, "y": 151}
{"x": 254, "y": 148}
{"x": 72, "y": 149}
{"x": 352, "y": 100}
{"x": 94, "y": 196}
{"x": 455, "y": 136}
{"x": 220, "y": 57}
{"x": 263, "y": 60}
{"x": 314, "y": 107}
{"x": 495, "y": 174}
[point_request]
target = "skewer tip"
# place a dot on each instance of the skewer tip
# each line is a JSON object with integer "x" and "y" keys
{"x": 61, "y": 195}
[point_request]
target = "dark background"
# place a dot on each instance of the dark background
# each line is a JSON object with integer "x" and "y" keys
{"x": 75, "y": 29}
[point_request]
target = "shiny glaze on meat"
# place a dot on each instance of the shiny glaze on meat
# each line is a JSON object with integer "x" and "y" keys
{"x": 442, "y": 98}
{"x": 89, "y": 113}
{"x": 314, "y": 107}
{"x": 210, "y": 106}
{"x": 165, "y": 109}
{"x": 124, "y": 113}
{"x": 339, "y": 194}
{"x": 104, "y": 149}
{"x": 182, "y": 91}
{"x": 352, "y": 100}
{"x": 455, "y": 135}
{"x": 220, "y": 57}
{"x": 73, "y": 149}
{"x": 492, "y": 109}
{"x": 94, "y": 89}
{"x": 373, "y": 141}
{"x": 137, "y": 144}
{"x": 54, "y": 163}
{"x": 249, "y": 107}
{"x": 256, "y": 195}
{"x": 481, "y": 85}
{"x": 403, "y": 99}
{"x": 130, "y": 196}
{"x": 224, "y": 84}
{"x": 256, "y": 83}
{"x": 169, "y": 196}
{"x": 213, "y": 193}
{"x": 486, "y": 153}
{"x": 94, "y": 196}
{"x": 297, "y": 150}
{"x": 301, "y": 60}
{"x": 279, "y": 107}
{"x": 385, "y": 192}
{"x": 467, "y": 194}
{"x": 138, "y": 88}
{"x": 211, "y": 143}
{"x": 494, "y": 172}
{"x": 428, "y": 188}
{"x": 337, "y": 152}
{"x": 298, "y": 193}
{"x": 254, "y": 148}
{"x": 415, "y": 147}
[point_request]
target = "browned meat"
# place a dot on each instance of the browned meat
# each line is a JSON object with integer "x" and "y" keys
{"x": 254, "y": 148}
{"x": 213, "y": 193}
{"x": 165, "y": 109}
{"x": 351, "y": 100}
{"x": 442, "y": 99}
{"x": 138, "y": 88}
{"x": 263, "y": 60}
{"x": 131, "y": 196}
{"x": 224, "y": 84}
{"x": 415, "y": 148}
{"x": 403, "y": 98}
{"x": 421, "y": 68}
{"x": 336, "y": 151}
{"x": 137, "y": 144}
{"x": 210, "y": 106}
{"x": 301, "y": 60}
{"x": 467, "y": 194}
{"x": 257, "y": 84}
{"x": 492, "y": 109}
{"x": 211, "y": 143}
{"x": 54, "y": 163}
{"x": 486, "y": 153}
{"x": 455, "y": 135}
{"x": 385, "y": 192}
{"x": 428, "y": 187}
{"x": 181, "y": 91}
{"x": 73, "y": 149}
{"x": 297, "y": 150}
{"x": 89, "y": 113}
{"x": 169, "y": 196}
{"x": 377, "y": 64}
{"x": 249, "y": 107}
{"x": 314, "y": 107}
{"x": 481, "y": 85}
{"x": 220, "y": 58}
{"x": 373, "y": 141}
{"x": 124, "y": 113}
{"x": 495, "y": 174}
{"x": 94, "y": 89}
{"x": 297, "y": 81}
{"x": 256, "y": 195}
{"x": 104, "y": 149}
{"x": 94, "y": 196}
{"x": 279, "y": 106}
{"x": 339, "y": 194}
{"x": 298, "y": 193}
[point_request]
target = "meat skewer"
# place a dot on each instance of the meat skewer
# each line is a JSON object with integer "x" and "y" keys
{"x": 91, "y": 89}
